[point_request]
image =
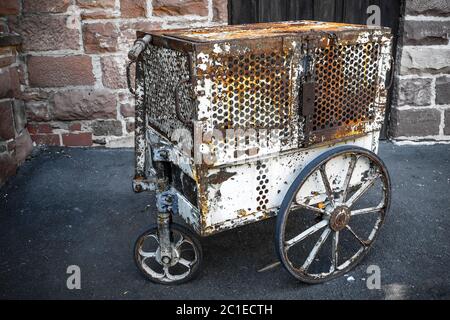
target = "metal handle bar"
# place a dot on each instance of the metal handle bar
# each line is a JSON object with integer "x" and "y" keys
{"x": 133, "y": 54}
{"x": 138, "y": 47}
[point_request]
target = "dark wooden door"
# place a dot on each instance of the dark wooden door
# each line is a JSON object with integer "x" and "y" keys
{"x": 348, "y": 11}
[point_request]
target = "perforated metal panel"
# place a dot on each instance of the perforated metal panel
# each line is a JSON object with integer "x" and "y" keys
{"x": 262, "y": 186}
{"x": 164, "y": 69}
{"x": 253, "y": 84}
{"x": 346, "y": 83}
{"x": 251, "y": 91}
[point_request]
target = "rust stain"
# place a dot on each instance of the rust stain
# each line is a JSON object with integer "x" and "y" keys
{"x": 220, "y": 177}
{"x": 242, "y": 213}
{"x": 256, "y": 30}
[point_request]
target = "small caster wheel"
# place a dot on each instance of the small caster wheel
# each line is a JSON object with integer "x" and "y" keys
{"x": 186, "y": 258}
{"x": 332, "y": 214}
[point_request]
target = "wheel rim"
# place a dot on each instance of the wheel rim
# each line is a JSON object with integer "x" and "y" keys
{"x": 185, "y": 256}
{"x": 334, "y": 208}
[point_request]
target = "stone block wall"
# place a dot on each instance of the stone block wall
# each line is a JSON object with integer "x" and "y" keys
{"x": 72, "y": 65}
{"x": 15, "y": 142}
{"x": 421, "y": 104}
{"x": 73, "y": 60}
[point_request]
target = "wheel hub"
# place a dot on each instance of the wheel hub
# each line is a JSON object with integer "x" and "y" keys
{"x": 340, "y": 218}
{"x": 170, "y": 262}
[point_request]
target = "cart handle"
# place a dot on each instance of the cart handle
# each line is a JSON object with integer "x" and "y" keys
{"x": 134, "y": 53}
{"x": 130, "y": 88}
{"x": 186, "y": 122}
{"x": 138, "y": 47}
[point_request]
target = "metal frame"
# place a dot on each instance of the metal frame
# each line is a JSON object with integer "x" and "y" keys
{"x": 215, "y": 209}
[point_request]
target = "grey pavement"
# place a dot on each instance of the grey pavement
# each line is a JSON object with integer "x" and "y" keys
{"x": 76, "y": 207}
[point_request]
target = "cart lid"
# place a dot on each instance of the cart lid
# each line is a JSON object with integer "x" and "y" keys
{"x": 256, "y": 30}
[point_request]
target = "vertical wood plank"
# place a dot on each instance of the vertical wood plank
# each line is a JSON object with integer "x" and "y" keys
{"x": 243, "y": 11}
{"x": 390, "y": 14}
{"x": 300, "y": 9}
{"x": 355, "y": 11}
{"x": 339, "y": 11}
{"x": 269, "y": 10}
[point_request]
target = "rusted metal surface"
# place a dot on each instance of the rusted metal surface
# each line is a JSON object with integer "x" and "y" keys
{"x": 251, "y": 31}
{"x": 346, "y": 174}
{"x": 315, "y": 84}
{"x": 140, "y": 141}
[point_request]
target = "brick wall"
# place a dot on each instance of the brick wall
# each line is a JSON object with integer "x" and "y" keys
{"x": 421, "y": 106}
{"x": 73, "y": 61}
{"x": 74, "y": 53}
{"x": 15, "y": 142}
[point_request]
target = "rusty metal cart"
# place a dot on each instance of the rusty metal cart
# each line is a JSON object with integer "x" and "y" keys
{"x": 237, "y": 124}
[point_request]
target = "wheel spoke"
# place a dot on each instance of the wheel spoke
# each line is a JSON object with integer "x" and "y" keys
{"x": 366, "y": 210}
{"x": 173, "y": 277}
{"x": 154, "y": 236}
{"x": 151, "y": 272}
{"x": 308, "y": 207}
{"x": 315, "y": 250}
{"x": 334, "y": 252}
{"x": 348, "y": 177}
{"x": 326, "y": 183}
{"x": 181, "y": 241}
{"x": 147, "y": 254}
{"x": 305, "y": 234}
{"x": 364, "y": 187}
{"x": 363, "y": 243}
{"x": 186, "y": 262}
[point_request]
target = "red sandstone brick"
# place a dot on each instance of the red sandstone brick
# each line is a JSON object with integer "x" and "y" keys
{"x": 10, "y": 84}
{"x": 220, "y": 10}
{"x": 46, "y": 139}
{"x": 47, "y": 32}
{"x": 90, "y": 4}
{"x": 100, "y": 37}
{"x": 132, "y": 8}
{"x": 6, "y": 121}
{"x": 9, "y": 7}
{"x": 98, "y": 14}
{"x": 113, "y": 72}
{"x": 84, "y": 105}
{"x": 75, "y": 127}
{"x": 83, "y": 139}
{"x": 177, "y": 8}
{"x": 38, "y": 128}
{"x": 45, "y": 6}
{"x": 48, "y": 71}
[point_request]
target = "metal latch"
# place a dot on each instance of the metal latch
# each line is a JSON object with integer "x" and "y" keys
{"x": 308, "y": 85}
{"x": 308, "y": 95}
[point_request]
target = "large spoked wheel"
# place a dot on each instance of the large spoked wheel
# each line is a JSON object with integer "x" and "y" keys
{"x": 332, "y": 214}
{"x": 187, "y": 256}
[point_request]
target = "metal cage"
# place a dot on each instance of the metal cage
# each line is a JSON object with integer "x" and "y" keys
{"x": 295, "y": 90}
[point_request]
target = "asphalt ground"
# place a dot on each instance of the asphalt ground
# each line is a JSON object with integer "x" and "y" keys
{"x": 76, "y": 207}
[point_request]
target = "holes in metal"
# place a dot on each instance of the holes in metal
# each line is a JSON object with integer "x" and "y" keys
{"x": 346, "y": 84}
{"x": 262, "y": 188}
{"x": 164, "y": 68}
{"x": 251, "y": 91}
